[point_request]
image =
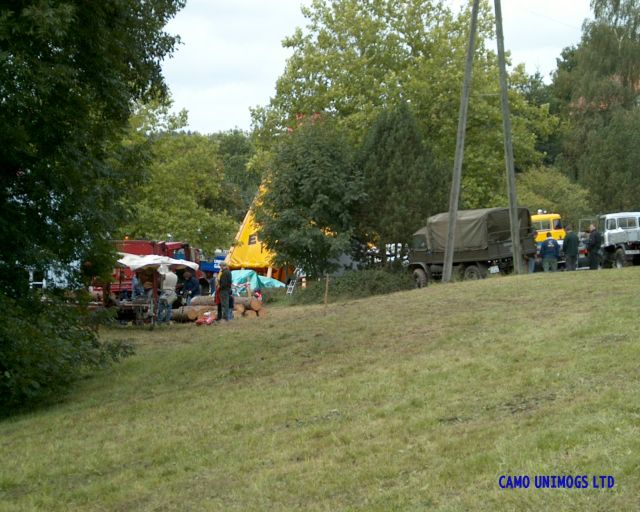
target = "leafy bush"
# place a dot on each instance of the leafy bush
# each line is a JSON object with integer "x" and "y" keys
{"x": 354, "y": 285}
{"x": 45, "y": 345}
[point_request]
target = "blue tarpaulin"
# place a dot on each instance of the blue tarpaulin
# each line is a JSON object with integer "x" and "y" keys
{"x": 244, "y": 278}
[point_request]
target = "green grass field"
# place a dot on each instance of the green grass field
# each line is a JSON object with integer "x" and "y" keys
{"x": 418, "y": 400}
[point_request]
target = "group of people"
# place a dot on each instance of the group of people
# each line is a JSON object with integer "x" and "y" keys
{"x": 550, "y": 250}
{"x": 188, "y": 287}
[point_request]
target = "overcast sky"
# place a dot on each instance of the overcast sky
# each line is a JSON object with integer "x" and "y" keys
{"x": 231, "y": 53}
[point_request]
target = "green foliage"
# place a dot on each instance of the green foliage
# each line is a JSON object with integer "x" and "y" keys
{"x": 609, "y": 167}
{"x": 182, "y": 196}
{"x": 549, "y": 189}
{"x": 241, "y": 181}
{"x": 596, "y": 89}
{"x": 306, "y": 213}
{"x": 355, "y": 284}
{"x": 402, "y": 181}
{"x": 45, "y": 345}
{"x": 356, "y": 59}
{"x": 70, "y": 72}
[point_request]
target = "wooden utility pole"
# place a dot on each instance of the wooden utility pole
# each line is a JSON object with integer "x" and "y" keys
{"x": 457, "y": 164}
{"x": 508, "y": 146}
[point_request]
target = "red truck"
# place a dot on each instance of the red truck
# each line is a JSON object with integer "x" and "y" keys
{"x": 121, "y": 277}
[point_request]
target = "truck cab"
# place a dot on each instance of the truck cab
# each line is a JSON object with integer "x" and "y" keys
{"x": 545, "y": 223}
{"x": 620, "y": 238}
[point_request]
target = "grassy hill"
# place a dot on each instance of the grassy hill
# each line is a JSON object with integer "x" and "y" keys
{"x": 414, "y": 401}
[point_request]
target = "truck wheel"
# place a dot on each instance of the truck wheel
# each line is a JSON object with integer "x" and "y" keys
{"x": 473, "y": 273}
{"x": 620, "y": 260}
{"x": 420, "y": 278}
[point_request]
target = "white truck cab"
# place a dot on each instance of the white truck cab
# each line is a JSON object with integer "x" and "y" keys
{"x": 620, "y": 238}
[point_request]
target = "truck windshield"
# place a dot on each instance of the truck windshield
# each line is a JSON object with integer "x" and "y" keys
{"x": 419, "y": 242}
{"x": 541, "y": 225}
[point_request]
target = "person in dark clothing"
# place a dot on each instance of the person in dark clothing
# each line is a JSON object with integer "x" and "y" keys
{"x": 190, "y": 286}
{"x": 570, "y": 249}
{"x": 550, "y": 252}
{"x": 225, "y": 289}
{"x": 593, "y": 247}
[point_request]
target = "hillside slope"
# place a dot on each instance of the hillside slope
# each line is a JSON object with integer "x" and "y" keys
{"x": 414, "y": 401}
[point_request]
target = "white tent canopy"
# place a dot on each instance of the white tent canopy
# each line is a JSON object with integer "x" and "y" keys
{"x": 136, "y": 262}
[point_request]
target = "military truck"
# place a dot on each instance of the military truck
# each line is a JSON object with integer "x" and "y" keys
{"x": 482, "y": 244}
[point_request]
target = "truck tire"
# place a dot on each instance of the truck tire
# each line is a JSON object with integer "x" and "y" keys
{"x": 473, "y": 273}
{"x": 620, "y": 259}
{"x": 420, "y": 278}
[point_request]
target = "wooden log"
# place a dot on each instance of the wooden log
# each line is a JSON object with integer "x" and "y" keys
{"x": 249, "y": 313}
{"x": 193, "y": 312}
{"x": 203, "y": 300}
{"x": 249, "y": 303}
{"x": 190, "y": 313}
{"x": 179, "y": 315}
{"x": 239, "y": 308}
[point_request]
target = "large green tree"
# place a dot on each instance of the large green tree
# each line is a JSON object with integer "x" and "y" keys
{"x": 70, "y": 72}
{"x": 241, "y": 180}
{"x": 596, "y": 88}
{"x": 354, "y": 59}
{"x": 184, "y": 194}
{"x": 312, "y": 193}
{"x": 403, "y": 182}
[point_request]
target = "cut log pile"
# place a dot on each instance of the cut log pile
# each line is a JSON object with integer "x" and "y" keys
{"x": 247, "y": 307}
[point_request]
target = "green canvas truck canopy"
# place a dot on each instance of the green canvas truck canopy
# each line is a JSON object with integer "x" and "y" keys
{"x": 475, "y": 229}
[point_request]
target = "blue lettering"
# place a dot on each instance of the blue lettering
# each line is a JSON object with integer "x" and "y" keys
{"x": 541, "y": 481}
{"x": 606, "y": 481}
{"x": 514, "y": 482}
{"x": 582, "y": 482}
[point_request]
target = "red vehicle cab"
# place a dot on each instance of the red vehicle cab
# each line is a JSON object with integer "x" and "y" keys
{"x": 121, "y": 277}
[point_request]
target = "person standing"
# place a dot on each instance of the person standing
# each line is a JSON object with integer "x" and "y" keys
{"x": 550, "y": 251}
{"x": 570, "y": 248}
{"x": 167, "y": 295}
{"x": 593, "y": 247}
{"x": 225, "y": 289}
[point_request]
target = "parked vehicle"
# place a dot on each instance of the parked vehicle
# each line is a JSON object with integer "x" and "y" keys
{"x": 620, "y": 239}
{"x": 482, "y": 244}
{"x": 545, "y": 223}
